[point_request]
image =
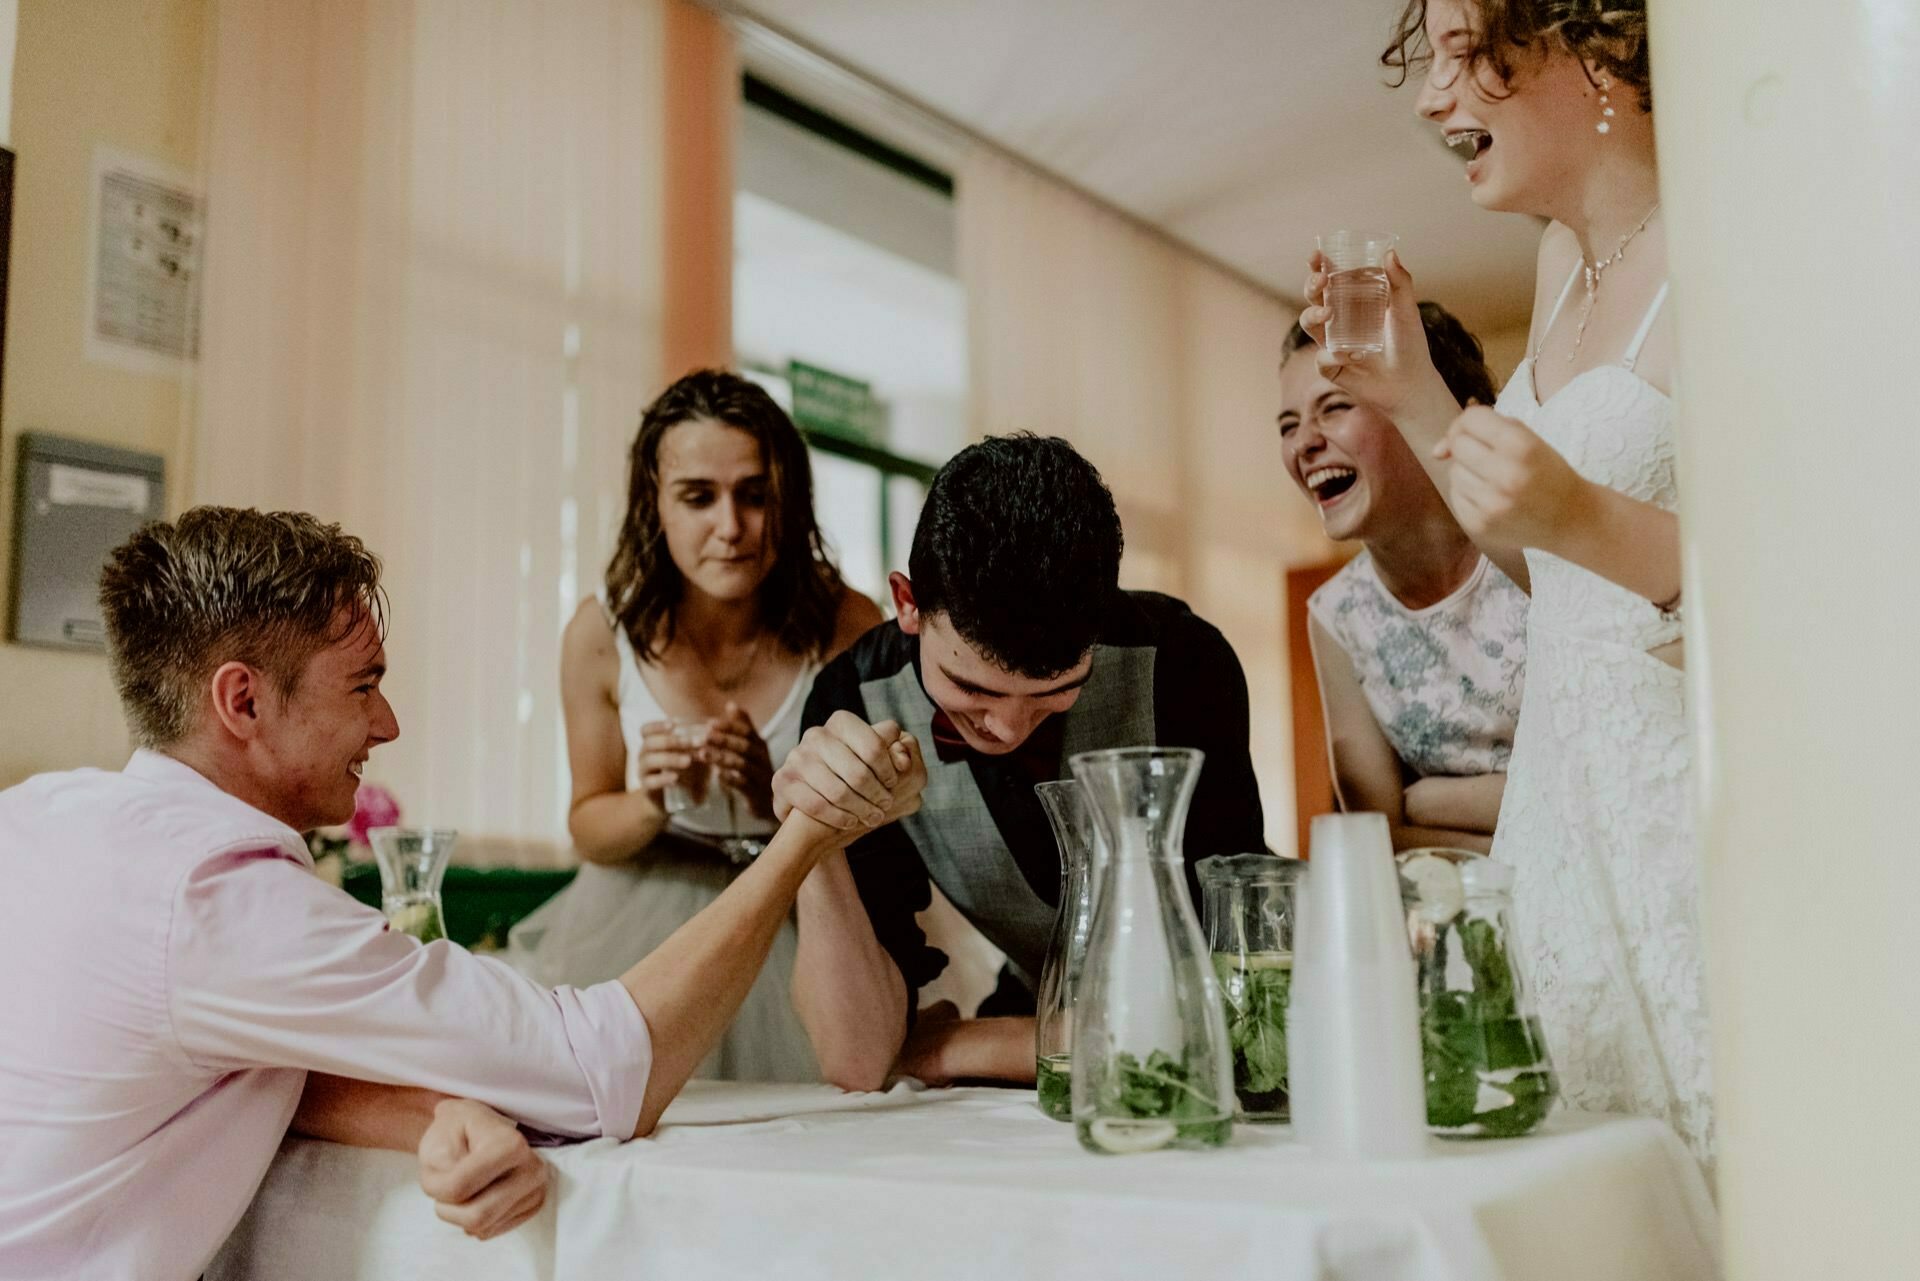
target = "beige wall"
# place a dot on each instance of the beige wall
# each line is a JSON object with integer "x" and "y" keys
{"x": 125, "y": 74}
{"x": 1160, "y": 368}
{"x": 9, "y": 31}
{"x": 451, "y": 360}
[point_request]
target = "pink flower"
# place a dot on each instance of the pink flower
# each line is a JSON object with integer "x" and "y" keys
{"x": 373, "y": 806}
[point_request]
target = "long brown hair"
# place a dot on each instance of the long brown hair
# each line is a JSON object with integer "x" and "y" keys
{"x": 800, "y": 599}
{"x": 1611, "y": 34}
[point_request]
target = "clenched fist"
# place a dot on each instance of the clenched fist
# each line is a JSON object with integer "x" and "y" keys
{"x": 1509, "y": 486}
{"x": 479, "y": 1170}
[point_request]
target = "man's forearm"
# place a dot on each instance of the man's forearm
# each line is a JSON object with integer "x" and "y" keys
{"x": 991, "y": 1049}
{"x": 848, "y": 992}
{"x": 364, "y": 1115}
{"x": 690, "y": 987}
{"x": 688, "y": 990}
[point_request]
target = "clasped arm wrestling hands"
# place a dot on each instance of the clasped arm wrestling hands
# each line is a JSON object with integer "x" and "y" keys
{"x": 1505, "y": 485}
{"x": 851, "y": 777}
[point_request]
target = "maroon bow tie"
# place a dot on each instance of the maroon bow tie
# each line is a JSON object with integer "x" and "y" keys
{"x": 1038, "y": 757}
{"x": 948, "y": 745}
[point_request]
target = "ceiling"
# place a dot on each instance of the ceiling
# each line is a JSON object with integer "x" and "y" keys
{"x": 1241, "y": 127}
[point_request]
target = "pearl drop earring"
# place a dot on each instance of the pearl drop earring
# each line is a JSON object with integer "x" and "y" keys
{"x": 1606, "y": 106}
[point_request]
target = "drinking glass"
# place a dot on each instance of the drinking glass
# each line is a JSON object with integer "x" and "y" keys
{"x": 1249, "y": 901}
{"x": 1353, "y": 1020}
{"x": 1075, "y": 833}
{"x": 1488, "y": 1071}
{"x": 412, "y": 862}
{"x": 690, "y": 790}
{"x": 700, "y": 783}
{"x": 1357, "y": 290}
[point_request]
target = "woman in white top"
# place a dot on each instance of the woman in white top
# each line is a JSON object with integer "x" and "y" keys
{"x": 1569, "y": 484}
{"x": 720, "y": 604}
{"x": 1419, "y": 643}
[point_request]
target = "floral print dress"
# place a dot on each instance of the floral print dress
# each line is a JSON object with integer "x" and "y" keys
{"x": 1444, "y": 682}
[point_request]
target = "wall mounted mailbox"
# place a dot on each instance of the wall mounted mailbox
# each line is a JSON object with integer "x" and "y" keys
{"x": 74, "y": 502}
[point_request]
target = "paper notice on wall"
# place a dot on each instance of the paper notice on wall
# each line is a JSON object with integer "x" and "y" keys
{"x": 69, "y": 486}
{"x": 146, "y": 263}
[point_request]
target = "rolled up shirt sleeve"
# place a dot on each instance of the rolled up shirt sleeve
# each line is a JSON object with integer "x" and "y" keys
{"x": 269, "y": 966}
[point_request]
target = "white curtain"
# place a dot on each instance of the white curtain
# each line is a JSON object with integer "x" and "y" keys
{"x": 1163, "y": 370}
{"x": 432, "y": 313}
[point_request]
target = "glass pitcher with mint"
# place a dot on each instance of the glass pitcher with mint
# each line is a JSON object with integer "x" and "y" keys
{"x": 1151, "y": 1067}
{"x": 1074, "y": 832}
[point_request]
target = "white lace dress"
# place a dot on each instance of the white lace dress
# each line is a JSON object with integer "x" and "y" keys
{"x": 1598, "y": 815}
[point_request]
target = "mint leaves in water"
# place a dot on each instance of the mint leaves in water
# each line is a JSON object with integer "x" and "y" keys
{"x": 1142, "y": 1106}
{"x": 1486, "y": 1065}
{"x": 1053, "y": 1081}
{"x": 1255, "y": 988}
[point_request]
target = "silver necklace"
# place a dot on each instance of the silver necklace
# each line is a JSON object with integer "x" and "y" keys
{"x": 731, "y": 683}
{"x": 1590, "y": 271}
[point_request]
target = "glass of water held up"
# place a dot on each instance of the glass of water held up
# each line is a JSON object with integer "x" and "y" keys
{"x": 690, "y": 791}
{"x": 1356, "y": 291}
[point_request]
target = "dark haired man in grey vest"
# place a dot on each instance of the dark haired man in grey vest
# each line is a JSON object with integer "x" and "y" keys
{"x": 1014, "y": 649}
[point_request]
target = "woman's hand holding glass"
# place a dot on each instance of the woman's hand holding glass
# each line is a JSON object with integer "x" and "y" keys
{"x": 1396, "y": 380}
{"x": 670, "y": 759}
{"x": 739, "y": 755}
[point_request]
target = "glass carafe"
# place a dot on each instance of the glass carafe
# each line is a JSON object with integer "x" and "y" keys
{"x": 1075, "y": 833}
{"x": 1151, "y": 1067}
{"x": 1484, "y": 1055}
{"x": 1249, "y": 912}
{"x": 412, "y": 863}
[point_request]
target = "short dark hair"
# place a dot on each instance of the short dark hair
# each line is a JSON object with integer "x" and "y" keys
{"x": 1019, "y": 546}
{"x": 800, "y": 599}
{"x": 1611, "y": 34}
{"x": 221, "y": 585}
{"x": 1456, "y": 353}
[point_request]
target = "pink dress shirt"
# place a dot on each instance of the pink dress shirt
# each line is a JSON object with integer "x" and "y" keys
{"x": 170, "y": 969}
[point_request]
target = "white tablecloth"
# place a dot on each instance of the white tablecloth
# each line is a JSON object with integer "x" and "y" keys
{"x": 802, "y": 1181}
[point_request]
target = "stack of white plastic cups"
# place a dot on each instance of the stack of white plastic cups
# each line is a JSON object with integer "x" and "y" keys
{"x": 1353, "y": 1024}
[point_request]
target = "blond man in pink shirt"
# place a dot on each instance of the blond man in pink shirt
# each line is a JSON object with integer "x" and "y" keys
{"x": 180, "y": 989}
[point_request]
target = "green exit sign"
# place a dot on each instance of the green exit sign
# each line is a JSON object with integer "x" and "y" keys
{"x": 834, "y": 404}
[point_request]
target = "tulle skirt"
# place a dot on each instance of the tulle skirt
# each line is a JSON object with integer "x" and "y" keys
{"x": 611, "y": 917}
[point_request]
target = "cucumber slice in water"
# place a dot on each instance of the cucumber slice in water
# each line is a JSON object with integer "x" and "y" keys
{"x": 1130, "y": 1136}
